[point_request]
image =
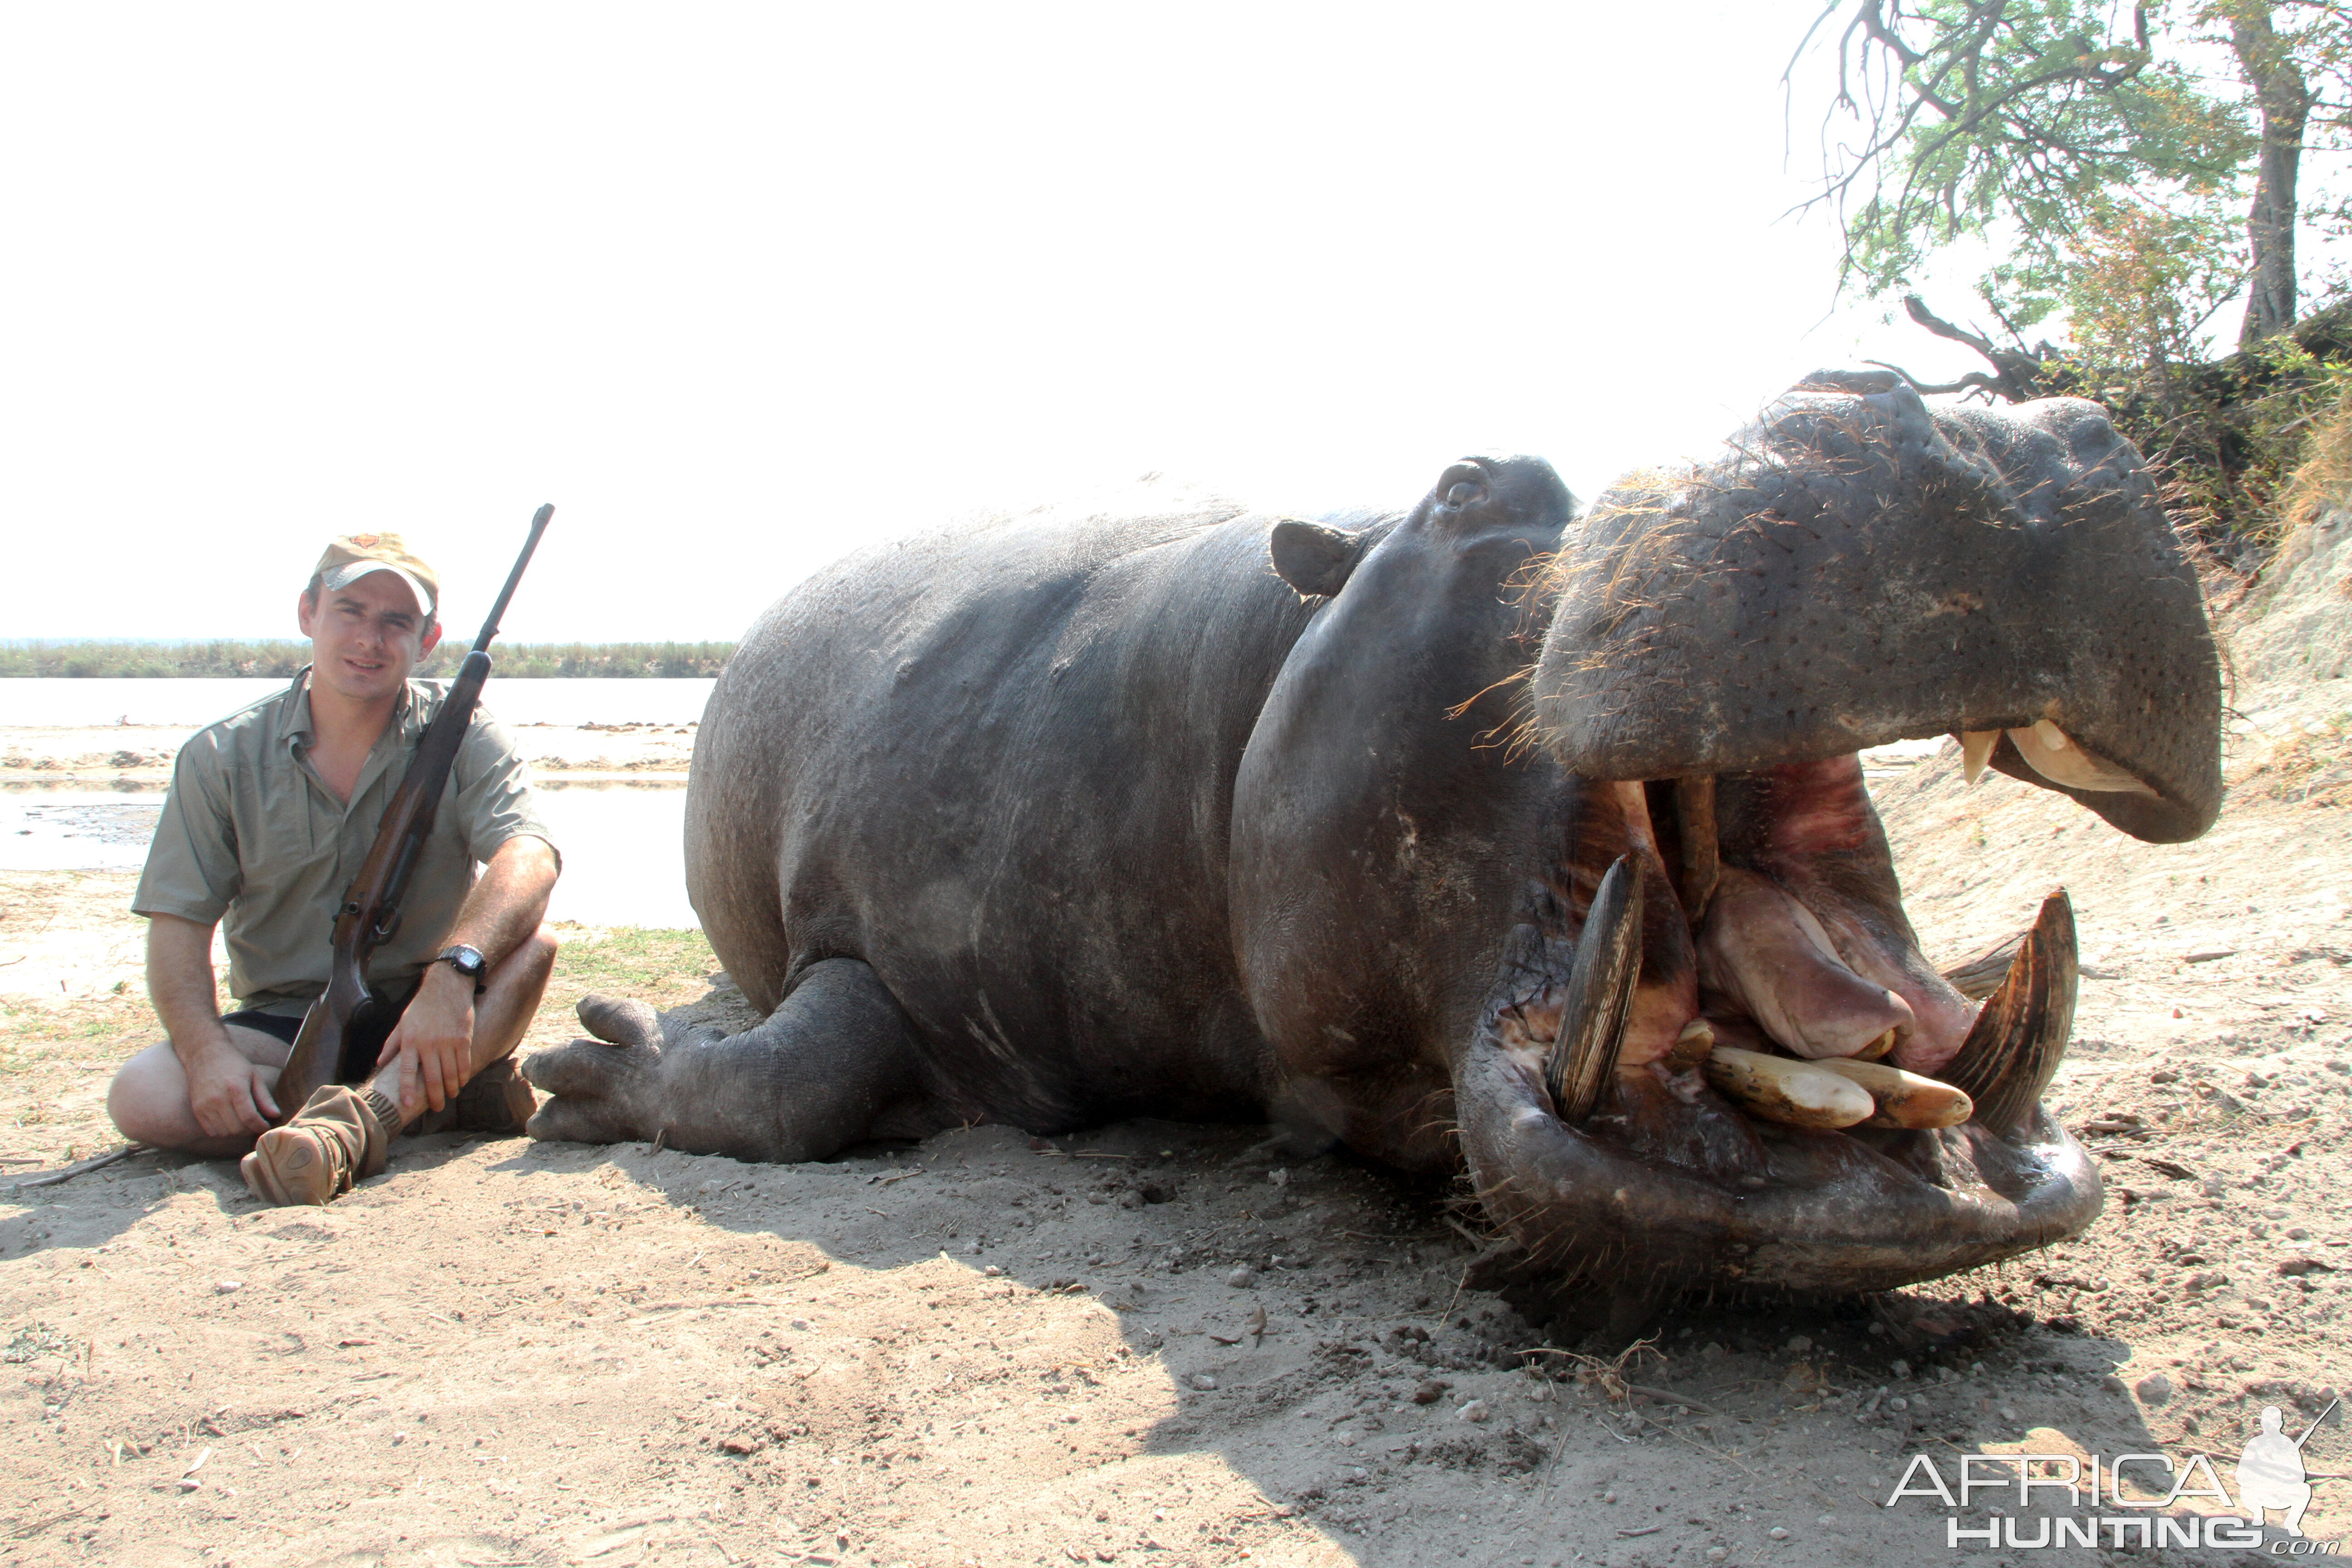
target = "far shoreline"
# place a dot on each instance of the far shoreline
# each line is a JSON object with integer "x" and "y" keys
{"x": 139, "y": 756}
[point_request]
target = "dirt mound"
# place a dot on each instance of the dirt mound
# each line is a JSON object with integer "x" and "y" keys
{"x": 2299, "y": 622}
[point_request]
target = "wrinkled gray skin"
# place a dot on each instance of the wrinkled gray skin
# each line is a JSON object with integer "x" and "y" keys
{"x": 1214, "y": 816}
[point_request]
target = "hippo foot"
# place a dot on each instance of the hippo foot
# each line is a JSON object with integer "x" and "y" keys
{"x": 604, "y": 1088}
{"x": 836, "y": 1062}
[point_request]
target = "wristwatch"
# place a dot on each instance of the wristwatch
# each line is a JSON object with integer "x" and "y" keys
{"x": 468, "y": 962}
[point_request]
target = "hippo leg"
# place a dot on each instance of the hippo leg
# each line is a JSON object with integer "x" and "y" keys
{"x": 836, "y": 1062}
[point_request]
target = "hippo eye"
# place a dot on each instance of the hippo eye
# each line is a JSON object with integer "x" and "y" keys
{"x": 1464, "y": 484}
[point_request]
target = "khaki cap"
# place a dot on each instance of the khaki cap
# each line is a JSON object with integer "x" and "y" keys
{"x": 355, "y": 555}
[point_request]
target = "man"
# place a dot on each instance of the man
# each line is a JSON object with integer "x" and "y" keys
{"x": 270, "y": 814}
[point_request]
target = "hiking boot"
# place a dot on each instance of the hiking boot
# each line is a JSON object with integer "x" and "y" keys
{"x": 496, "y": 1099}
{"x": 340, "y": 1136}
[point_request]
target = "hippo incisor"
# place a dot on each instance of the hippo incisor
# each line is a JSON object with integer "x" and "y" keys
{"x": 1474, "y": 834}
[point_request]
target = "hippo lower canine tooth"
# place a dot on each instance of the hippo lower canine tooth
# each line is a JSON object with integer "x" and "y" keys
{"x": 1600, "y": 995}
{"x": 2020, "y": 1034}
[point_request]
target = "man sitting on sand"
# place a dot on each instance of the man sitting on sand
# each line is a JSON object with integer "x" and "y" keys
{"x": 270, "y": 814}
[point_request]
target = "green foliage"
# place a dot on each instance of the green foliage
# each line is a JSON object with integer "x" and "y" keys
{"x": 2140, "y": 284}
{"x": 280, "y": 659}
{"x": 2008, "y": 120}
{"x": 2096, "y": 149}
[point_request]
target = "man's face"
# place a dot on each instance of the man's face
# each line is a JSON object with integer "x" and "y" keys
{"x": 364, "y": 639}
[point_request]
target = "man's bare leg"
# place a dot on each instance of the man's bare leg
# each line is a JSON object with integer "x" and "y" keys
{"x": 149, "y": 1098}
{"x": 344, "y": 1135}
{"x": 501, "y": 1014}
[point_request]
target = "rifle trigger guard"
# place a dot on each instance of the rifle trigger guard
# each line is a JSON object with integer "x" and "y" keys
{"x": 387, "y": 925}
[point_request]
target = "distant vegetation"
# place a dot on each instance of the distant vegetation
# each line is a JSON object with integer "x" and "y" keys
{"x": 282, "y": 659}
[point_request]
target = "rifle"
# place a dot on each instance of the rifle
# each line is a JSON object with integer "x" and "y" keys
{"x": 347, "y": 1025}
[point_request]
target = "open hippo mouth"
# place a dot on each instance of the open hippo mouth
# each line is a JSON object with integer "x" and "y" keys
{"x": 1716, "y": 1054}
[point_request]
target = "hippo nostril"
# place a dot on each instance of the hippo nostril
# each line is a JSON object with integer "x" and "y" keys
{"x": 1465, "y": 493}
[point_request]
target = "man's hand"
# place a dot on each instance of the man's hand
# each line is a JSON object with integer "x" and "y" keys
{"x": 434, "y": 1041}
{"x": 229, "y": 1094}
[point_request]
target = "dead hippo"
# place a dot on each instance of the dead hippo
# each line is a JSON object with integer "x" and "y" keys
{"x": 1467, "y": 836}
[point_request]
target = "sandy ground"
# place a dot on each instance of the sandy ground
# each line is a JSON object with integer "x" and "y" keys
{"x": 135, "y": 756}
{"x": 1163, "y": 1344}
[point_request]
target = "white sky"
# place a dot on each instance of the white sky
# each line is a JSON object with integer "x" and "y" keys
{"x": 741, "y": 287}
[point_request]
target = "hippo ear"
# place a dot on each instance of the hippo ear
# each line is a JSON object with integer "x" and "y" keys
{"x": 1313, "y": 558}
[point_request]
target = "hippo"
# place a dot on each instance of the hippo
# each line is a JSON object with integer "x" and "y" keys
{"x": 1480, "y": 837}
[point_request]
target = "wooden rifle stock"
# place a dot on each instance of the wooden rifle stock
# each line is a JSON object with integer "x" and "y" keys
{"x": 346, "y": 1027}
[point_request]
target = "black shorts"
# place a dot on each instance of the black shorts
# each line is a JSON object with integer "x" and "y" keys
{"x": 285, "y": 1027}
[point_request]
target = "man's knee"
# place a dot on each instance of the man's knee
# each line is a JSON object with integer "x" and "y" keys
{"x": 148, "y": 1098}
{"x": 534, "y": 960}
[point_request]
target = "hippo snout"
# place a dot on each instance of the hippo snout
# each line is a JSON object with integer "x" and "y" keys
{"x": 1716, "y": 1054}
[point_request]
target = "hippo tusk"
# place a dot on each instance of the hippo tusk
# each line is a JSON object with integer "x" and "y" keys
{"x": 1783, "y": 1090}
{"x": 2054, "y": 753}
{"x": 1903, "y": 1098}
{"x": 1600, "y": 994}
{"x": 1976, "y": 750}
{"x": 1695, "y": 830}
{"x": 2020, "y": 1033}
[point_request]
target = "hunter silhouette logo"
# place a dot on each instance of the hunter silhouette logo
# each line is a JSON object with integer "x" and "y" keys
{"x": 2270, "y": 1472}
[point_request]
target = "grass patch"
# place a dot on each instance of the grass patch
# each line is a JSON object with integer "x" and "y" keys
{"x": 660, "y": 966}
{"x": 663, "y": 968}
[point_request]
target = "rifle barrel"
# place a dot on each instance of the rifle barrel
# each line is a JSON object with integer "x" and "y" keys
{"x": 2316, "y": 1420}
{"x": 491, "y": 627}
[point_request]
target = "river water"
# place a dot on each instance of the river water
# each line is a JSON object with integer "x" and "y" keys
{"x": 623, "y": 861}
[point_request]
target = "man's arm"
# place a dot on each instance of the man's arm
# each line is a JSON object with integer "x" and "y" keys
{"x": 229, "y": 1094}
{"x": 435, "y": 1034}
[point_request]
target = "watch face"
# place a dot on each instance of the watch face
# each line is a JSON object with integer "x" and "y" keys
{"x": 466, "y": 960}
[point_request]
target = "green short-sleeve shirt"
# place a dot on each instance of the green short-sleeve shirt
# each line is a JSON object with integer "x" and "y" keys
{"x": 250, "y": 838}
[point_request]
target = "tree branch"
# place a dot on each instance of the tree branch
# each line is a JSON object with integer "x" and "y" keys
{"x": 2018, "y": 377}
